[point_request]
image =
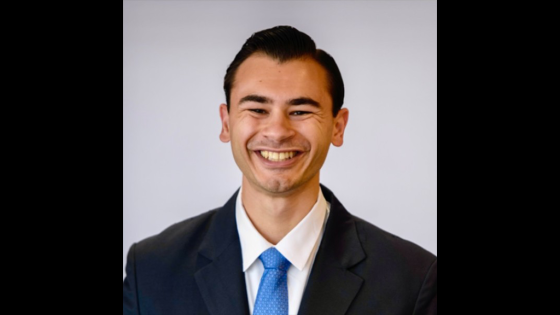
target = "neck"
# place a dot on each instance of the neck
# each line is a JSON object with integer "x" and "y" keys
{"x": 275, "y": 215}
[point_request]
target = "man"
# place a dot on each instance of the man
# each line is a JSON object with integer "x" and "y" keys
{"x": 283, "y": 243}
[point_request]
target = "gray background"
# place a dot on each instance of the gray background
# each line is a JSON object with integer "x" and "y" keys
{"x": 175, "y": 54}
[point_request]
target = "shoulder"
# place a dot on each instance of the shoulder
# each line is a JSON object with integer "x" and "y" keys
{"x": 180, "y": 243}
{"x": 375, "y": 238}
{"x": 376, "y": 243}
{"x": 398, "y": 260}
{"x": 160, "y": 269}
{"x": 401, "y": 274}
{"x": 183, "y": 237}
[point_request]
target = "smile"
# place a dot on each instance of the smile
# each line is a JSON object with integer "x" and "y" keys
{"x": 278, "y": 156}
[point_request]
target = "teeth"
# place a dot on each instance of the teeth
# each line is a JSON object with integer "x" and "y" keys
{"x": 277, "y": 157}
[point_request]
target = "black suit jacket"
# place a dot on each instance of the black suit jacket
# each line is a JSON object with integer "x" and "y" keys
{"x": 195, "y": 267}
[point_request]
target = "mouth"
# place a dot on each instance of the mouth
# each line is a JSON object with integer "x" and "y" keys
{"x": 278, "y": 159}
{"x": 278, "y": 156}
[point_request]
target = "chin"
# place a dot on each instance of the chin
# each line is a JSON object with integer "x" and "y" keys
{"x": 276, "y": 185}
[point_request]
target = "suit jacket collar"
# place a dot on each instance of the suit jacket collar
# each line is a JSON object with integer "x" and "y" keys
{"x": 220, "y": 276}
{"x": 331, "y": 286}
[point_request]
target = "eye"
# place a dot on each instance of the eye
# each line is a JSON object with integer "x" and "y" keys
{"x": 299, "y": 113}
{"x": 257, "y": 111}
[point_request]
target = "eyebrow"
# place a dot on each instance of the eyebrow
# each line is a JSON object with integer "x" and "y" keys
{"x": 256, "y": 99}
{"x": 304, "y": 101}
{"x": 265, "y": 100}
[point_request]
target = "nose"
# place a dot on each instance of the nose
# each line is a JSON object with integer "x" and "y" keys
{"x": 278, "y": 127}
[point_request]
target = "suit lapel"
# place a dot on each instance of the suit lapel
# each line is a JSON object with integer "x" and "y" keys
{"x": 331, "y": 286}
{"x": 220, "y": 277}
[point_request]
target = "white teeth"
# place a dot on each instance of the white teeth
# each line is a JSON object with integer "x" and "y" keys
{"x": 277, "y": 157}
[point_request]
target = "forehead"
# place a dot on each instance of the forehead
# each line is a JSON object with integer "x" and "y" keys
{"x": 260, "y": 74}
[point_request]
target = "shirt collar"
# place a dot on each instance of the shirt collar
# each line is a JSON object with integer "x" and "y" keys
{"x": 296, "y": 246}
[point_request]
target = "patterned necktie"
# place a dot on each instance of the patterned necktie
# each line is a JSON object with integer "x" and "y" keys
{"x": 272, "y": 297}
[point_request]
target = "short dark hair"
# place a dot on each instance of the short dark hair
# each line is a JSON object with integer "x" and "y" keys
{"x": 284, "y": 43}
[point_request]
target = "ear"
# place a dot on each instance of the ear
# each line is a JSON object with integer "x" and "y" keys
{"x": 340, "y": 122}
{"x": 224, "y": 115}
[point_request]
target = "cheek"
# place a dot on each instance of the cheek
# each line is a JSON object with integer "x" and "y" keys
{"x": 316, "y": 134}
{"x": 243, "y": 130}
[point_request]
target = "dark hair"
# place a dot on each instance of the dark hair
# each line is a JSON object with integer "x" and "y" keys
{"x": 285, "y": 43}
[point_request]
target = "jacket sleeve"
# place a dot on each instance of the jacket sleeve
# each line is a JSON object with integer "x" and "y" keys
{"x": 130, "y": 296}
{"x": 426, "y": 304}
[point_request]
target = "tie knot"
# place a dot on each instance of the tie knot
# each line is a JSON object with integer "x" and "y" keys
{"x": 272, "y": 259}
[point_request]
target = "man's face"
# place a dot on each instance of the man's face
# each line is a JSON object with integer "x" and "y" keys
{"x": 280, "y": 123}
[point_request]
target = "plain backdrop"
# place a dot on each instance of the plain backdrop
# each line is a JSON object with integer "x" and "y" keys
{"x": 175, "y": 54}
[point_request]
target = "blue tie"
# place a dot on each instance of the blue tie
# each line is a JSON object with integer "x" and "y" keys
{"x": 272, "y": 298}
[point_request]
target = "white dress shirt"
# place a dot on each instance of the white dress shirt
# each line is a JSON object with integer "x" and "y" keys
{"x": 299, "y": 247}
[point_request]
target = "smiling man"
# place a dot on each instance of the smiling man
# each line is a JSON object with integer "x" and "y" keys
{"x": 283, "y": 244}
